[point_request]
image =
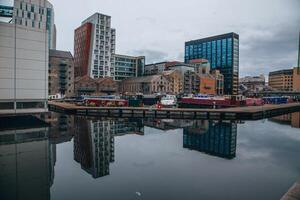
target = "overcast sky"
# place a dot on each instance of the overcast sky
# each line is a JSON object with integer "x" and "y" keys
{"x": 268, "y": 29}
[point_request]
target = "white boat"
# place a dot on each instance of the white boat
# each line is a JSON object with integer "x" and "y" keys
{"x": 168, "y": 100}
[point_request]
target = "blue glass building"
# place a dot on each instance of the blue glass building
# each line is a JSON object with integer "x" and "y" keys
{"x": 222, "y": 51}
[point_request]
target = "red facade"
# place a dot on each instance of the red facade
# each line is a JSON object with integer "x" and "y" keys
{"x": 82, "y": 45}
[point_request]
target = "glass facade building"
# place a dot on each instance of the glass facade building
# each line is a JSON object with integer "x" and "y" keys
{"x": 128, "y": 66}
{"x": 222, "y": 52}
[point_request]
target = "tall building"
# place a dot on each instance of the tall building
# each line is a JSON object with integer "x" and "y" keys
{"x": 128, "y": 66}
{"x": 222, "y": 52}
{"x": 61, "y": 73}
{"x": 23, "y": 69}
{"x": 94, "y": 47}
{"x": 36, "y": 14}
{"x": 281, "y": 80}
{"x": 299, "y": 52}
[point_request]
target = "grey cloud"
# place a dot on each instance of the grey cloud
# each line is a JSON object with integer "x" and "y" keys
{"x": 269, "y": 48}
{"x": 152, "y": 56}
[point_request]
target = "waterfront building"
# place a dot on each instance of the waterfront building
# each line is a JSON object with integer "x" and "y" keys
{"x": 202, "y": 66}
{"x": 128, "y": 66}
{"x": 219, "y": 82}
{"x": 253, "y": 83}
{"x": 214, "y": 138}
{"x": 195, "y": 83}
{"x": 94, "y": 47}
{"x": 296, "y": 79}
{"x": 191, "y": 82}
{"x": 38, "y": 15}
{"x": 176, "y": 81}
{"x": 281, "y": 80}
{"x": 222, "y": 52}
{"x": 88, "y": 86}
{"x": 146, "y": 85}
{"x": 23, "y": 69}
{"x": 158, "y": 68}
{"x": 61, "y": 73}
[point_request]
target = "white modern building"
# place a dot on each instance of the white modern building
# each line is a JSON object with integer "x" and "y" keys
{"x": 36, "y": 14}
{"x": 24, "y": 52}
{"x": 94, "y": 47}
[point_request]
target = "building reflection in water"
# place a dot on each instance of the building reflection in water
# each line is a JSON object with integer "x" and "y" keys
{"x": 94, "y": 142}
{"x": 216, "y": 138}
{"x": 27, "y": 159}
{"x": 292, "y": 119}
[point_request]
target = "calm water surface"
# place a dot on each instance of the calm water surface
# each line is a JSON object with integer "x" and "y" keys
{"x": 86, "y": 158}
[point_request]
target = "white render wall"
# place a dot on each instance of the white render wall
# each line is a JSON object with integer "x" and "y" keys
{"x": 23, "y": 65}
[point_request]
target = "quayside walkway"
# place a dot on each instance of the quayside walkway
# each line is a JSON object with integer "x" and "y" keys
{"x": 237, "y": 113}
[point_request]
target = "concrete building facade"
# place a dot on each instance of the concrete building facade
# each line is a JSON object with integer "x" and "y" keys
{"x": 94, "y": 47}
{"x": 61, "y": 73}
{"x": 23, "y": 69}
{"x": 36, "y": 14}
{"x": 128, "y": 66}
{"x": 281, "y": 80}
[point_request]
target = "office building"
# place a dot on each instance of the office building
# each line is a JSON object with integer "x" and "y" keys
{"x": 38, "y": 15}
{"x": 281, "y": 80}
{"x": 94, "y": 47}
{"x": 61, "y": 73}
{"x": 222, "y": 52}
{"x": 128, "y": 66}
{"x": 23, "y": 69}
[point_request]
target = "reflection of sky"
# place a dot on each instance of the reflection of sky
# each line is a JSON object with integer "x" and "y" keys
{"x": 7, "y": 2}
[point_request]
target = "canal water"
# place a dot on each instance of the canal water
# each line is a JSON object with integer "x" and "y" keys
{"x": 88, "y": 158}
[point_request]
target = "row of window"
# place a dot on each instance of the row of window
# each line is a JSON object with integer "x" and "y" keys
{"x": 218, "y": 52}
{"x": 21, "y": 105}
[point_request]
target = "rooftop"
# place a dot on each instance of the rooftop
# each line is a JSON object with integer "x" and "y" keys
{"x": 60, "y": 54}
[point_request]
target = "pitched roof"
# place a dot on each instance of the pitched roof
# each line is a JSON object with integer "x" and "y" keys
{"x": 60, "y": 54}
{"x": 143, "y": 79}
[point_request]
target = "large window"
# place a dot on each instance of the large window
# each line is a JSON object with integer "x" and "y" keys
{"x": 209, "y": 51}
{"x": 204, "y": 55}
{"x": 6, "y": 105}
{"x": 229, "y": 51}
{"x": 213, "y": 56}
{"x": 224, "y": 47}
{"x": 30, "y": 105}
{"x": 219, "y": 53}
